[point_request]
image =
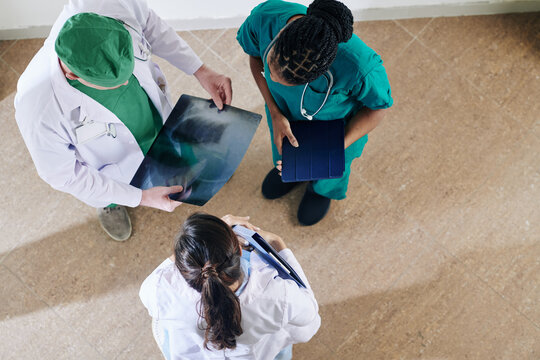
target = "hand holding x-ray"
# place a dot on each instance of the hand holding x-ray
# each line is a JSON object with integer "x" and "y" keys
{"x": 217, "y": 85}
{"x": 198, "y": 148}
{"x": 158, "y": 197}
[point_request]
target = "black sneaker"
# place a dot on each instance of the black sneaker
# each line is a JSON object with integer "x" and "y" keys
{"x": 273, "y": 187}
{"x": 313, "y": 207}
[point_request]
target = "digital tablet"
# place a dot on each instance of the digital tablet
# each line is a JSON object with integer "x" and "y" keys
{"x": 321, "y": 151}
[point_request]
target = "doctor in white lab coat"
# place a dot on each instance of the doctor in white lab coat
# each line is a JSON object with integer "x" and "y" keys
{"x": 213, "y": 300}
{"x": 98, "y": 169}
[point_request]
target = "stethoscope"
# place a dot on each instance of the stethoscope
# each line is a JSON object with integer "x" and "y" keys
{"x": 327, "y": 75}
{"x": 146, "y": 48}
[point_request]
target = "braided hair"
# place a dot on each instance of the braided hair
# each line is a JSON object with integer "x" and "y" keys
{"x": 306, "y": 48}
{"x": 207, "y": 255}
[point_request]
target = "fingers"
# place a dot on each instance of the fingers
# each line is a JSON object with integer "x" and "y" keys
{"x": 290, "y": 136}
{"x": 172, "y": 205}
{"x": 173, "y": 189}
{"x": 228, "y": 91}
{"x": 239, "y": 220}
{"x": 250, "y": 226}
{"x": 217, "y": 99}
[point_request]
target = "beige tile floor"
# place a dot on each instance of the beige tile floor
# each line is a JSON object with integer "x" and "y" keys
{"x": 435, "y": 254}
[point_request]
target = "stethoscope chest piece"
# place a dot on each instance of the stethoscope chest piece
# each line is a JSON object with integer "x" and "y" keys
{"x": 305, "y": 114}
{"x": 330, "y": 80}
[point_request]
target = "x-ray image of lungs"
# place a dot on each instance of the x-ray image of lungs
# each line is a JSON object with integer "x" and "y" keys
{"x": 199, "y": 147}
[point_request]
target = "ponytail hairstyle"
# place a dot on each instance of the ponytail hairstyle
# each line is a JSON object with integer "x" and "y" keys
{"x": 306, "y": 48}
{"x": 207, "y": 253}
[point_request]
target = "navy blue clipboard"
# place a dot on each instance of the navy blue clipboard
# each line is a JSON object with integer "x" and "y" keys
{"x": 321, "y": 154}
{"x": 269, "y": 254}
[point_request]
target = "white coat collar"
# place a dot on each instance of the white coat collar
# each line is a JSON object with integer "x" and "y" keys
{"x": 70, "y": 98}
{"x": 67, "y": 96}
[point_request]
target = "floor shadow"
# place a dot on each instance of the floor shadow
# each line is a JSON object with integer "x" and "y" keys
{"x": 444, "y": 314}
{"x": 450, "y": 314}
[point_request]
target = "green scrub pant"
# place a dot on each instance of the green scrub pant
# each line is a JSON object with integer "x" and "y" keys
{"x": 331, "y": 188}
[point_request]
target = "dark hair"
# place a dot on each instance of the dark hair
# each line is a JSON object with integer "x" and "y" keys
{"x": 208, "y": 257}
{"x": 306, "y": 48}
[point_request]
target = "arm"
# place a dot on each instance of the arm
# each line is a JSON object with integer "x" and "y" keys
{"x": 302, "y": 312}
{"x": 167, "y": 44}
{"x": 257, "y": 70}
{"x": 301, "y": 316}
{"x": 57, "y": 164}
{"x": 280, "y": 124}
{"x": 363, "y": 122}
{"x": 91, "y": 186}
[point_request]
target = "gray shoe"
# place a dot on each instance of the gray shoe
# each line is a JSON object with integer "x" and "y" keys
{"x": 115, "y": 221}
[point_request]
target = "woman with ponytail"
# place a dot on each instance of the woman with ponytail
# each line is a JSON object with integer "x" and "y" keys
{"x": 309, "y": 65}
{"x": 213, "y": 300}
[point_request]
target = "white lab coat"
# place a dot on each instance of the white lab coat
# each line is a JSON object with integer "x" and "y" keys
{"x": 48, "y": 109}
{"x": 275, "y": 312}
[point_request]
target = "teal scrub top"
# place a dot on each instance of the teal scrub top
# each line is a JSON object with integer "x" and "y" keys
{"x": 132, "y": 106}
{"x": 359, "y": 75}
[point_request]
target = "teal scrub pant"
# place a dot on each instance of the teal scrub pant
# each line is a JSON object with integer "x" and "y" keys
{"x": 331, "y": 188}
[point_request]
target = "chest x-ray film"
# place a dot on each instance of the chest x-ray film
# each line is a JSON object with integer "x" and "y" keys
{"x": 321, "y": 154}
{"x": 199, "y": 147}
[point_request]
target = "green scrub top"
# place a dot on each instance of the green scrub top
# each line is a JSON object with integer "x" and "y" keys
{"x": 360, "y": 80}
{"x": 132, "y": 106}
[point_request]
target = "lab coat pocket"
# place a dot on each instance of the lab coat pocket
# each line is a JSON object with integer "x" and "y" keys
{"x": 159, "y": 78}
{"x": 102, "y": 151}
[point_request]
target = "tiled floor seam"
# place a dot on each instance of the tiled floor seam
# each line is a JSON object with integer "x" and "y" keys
{"x": 223, "y": 31}
{"x": 6, "y": 49}
{"x": 396, "y": 58}
{"x": 245, "y": 77}
{"x": 10, "y": 67}
{"x": 224, "y": 61}
{"x": 208, "y": 49}
{"x": 40, "y": 299}
{"x": 410, "y": 33}
{"x": 414, "y": 38}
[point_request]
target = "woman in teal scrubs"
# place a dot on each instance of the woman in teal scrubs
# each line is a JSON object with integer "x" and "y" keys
{"x": 294, "y": 51}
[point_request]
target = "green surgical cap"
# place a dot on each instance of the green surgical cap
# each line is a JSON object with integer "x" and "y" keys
{"x": 97, "y": 49}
